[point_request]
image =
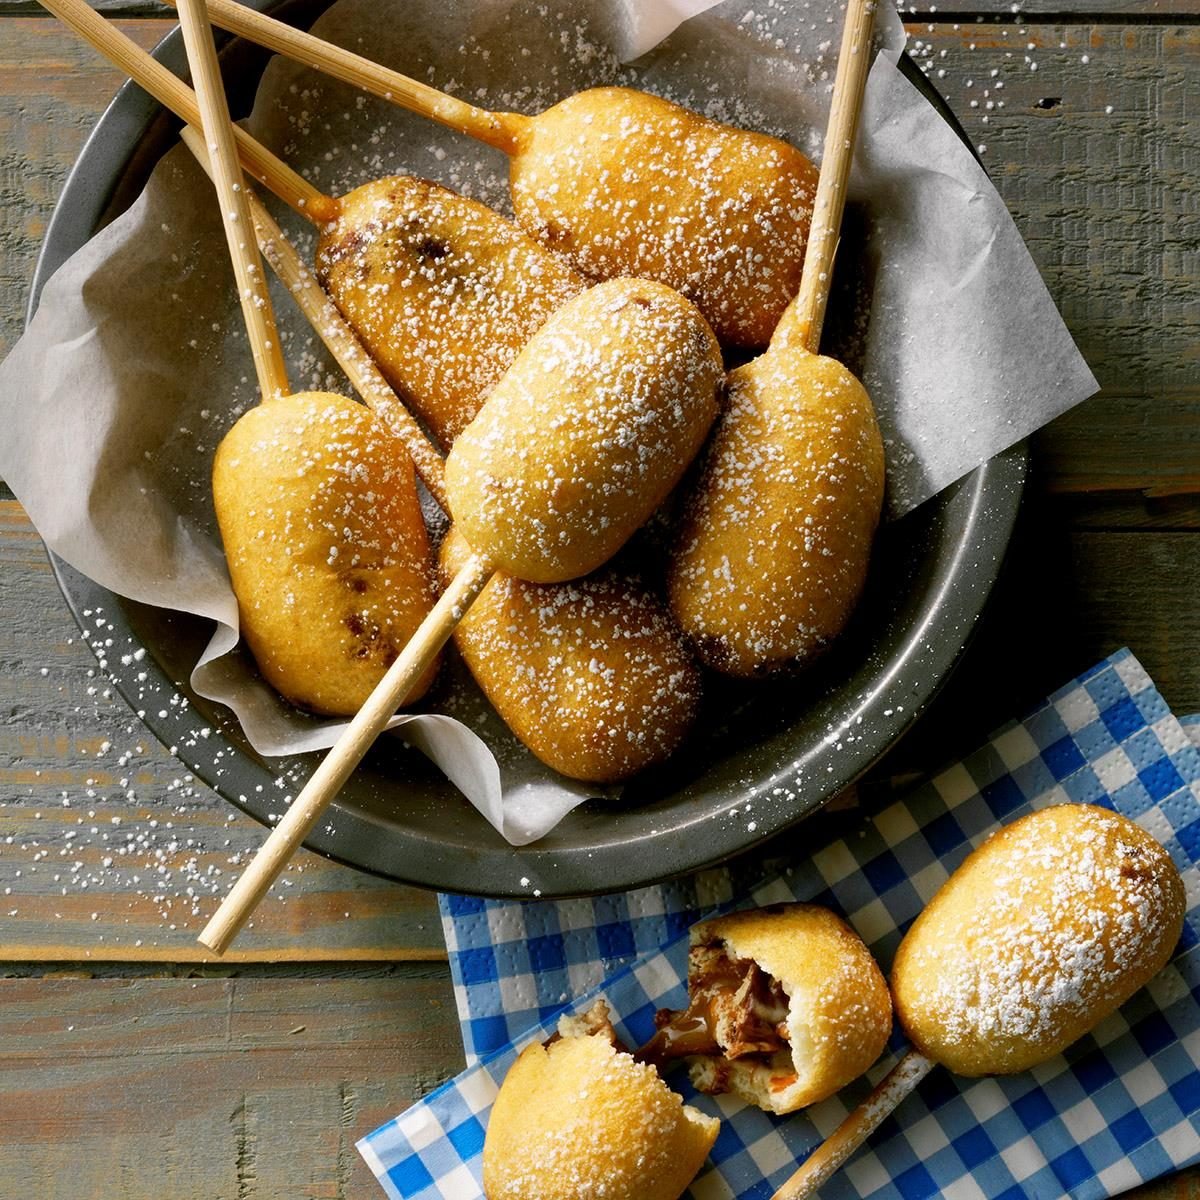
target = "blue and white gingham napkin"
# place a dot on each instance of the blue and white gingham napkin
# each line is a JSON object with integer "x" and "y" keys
{"x": 1119, "y": 1108}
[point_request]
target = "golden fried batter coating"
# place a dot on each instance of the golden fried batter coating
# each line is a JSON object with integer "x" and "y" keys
{"x": 1049, "y": 926}
{"x": 587, "y": 433}
{"x": 328, "y": 554}
{"x": 591, "y": 675}
{"x": 625, "y": 183}
{"x": 774, "y": 544}
{"x": 441, "y": 290}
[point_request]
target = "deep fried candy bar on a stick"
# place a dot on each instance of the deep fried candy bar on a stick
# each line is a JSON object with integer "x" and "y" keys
{"x": 622, "y": 182}
{"x": 775, "y": 539}
{"x": 329, "y": 584}
{"x": 578, "y": 1117}
{"x": 576, "y": 446}
{"x": 1047, "y": 928}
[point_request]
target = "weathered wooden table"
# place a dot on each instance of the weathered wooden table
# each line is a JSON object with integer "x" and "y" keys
{"x": 130, "y": 1066}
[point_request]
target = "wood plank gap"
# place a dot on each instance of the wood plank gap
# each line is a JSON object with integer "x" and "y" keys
{"x": 940, "y": 16}
{"x": 44, "y": 952}
{"x": 118, "y": 969}
{"x": 115, "y": 9}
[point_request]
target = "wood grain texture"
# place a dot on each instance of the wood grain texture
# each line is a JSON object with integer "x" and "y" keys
{"x": 226, "y": 1089}
{"x": 97, "y": 817}
{"x": 52, "y": 89}
{"x": 1096, "y": 153}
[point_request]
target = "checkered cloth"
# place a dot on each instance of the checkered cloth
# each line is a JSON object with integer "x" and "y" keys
{"x": 1121, "y": 1107}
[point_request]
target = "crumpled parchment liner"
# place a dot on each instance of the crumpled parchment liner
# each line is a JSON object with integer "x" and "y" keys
{"x": 136, "y": 362}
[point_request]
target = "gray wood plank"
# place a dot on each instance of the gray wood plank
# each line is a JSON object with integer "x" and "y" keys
{"x": 96, "y": 817}
{"x": 1124, "y": 510}
{"x": 52, "y": 89}
{"x": 224, "y": 1089}
{"x": 215, "y": 1088}
{"x": 1096, "y": 153}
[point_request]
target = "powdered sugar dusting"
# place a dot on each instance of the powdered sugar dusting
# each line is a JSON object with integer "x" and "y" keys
{"x": 625, "y": 183}
{"x": 593, "y": 676}
{"x": 588, "y": 432}
{"x": 776, "y": 536}
{"x": 1051, "y": 925}
{"x": 443, "y": 292}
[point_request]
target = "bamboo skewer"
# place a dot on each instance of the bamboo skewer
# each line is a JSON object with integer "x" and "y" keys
{"x": 437, "y": 627}
{"x": 232, "y": 196}
{"x": 802, "y": 321}
{"x": 799, "y": 331}
{"x": 339, "y": 338}
{"x": 499, "y": 129}
{"x": 298, "y": 194}
{"x": 856, "y": 1128}
{"x": 267, "y": 168}
{"x": 339, "y": 763}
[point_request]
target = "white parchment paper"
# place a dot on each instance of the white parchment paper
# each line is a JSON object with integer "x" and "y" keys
{"x": 135, "y": 363}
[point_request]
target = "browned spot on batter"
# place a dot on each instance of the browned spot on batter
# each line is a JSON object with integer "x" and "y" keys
{"x": 1135, "y": 865}
{"x": 556, "y": 236}
{"x": 348, "y": 245}
{"x": 432, "y": 248}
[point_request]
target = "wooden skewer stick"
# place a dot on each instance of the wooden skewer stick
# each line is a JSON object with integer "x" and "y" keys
{"x": 129, "y": 57}
{"x": 335, "y": 769}
{"x": 300, "y": 195}
{"x": 438, "y": 626}
{"x": 331, "y": 327}
{"x": 499, "y": 129}
{"x": 856, "y": 1128}
{"x": 799, "y": 330}
{"x": 233, "y": 198}
{"x": 433, "y": 632}
{"x": 802, "y": 321}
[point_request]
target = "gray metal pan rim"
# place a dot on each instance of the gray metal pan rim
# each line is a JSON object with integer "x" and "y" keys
{"x": 581, "y": 857}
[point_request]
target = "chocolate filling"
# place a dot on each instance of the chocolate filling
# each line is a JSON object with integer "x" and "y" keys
{"x": 735, "y": 1010}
